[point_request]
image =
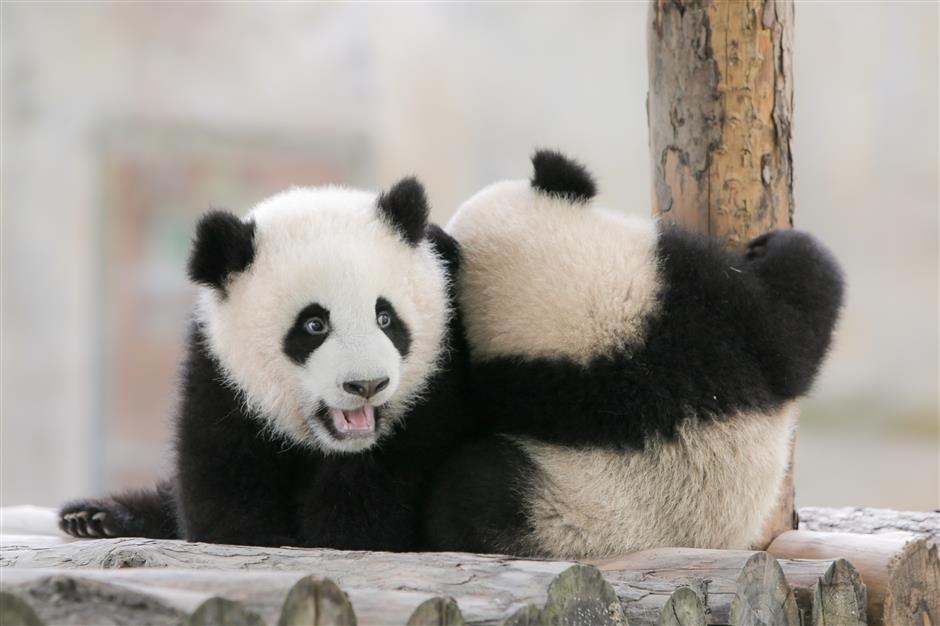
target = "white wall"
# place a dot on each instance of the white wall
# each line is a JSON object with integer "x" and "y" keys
{"x": 458, "y": 94}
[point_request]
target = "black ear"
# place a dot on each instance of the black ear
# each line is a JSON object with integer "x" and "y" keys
{"x": 405, "y": 208}
{"x": 446, "y": 246}
{"x": 224, "y": 245}
{"x": 556, "y": 174}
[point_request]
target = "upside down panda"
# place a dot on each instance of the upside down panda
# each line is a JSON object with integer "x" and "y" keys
{"x": 322, "y": 380}
{"x": 639, "y": 380}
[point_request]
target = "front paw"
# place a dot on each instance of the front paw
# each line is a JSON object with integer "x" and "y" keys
{"x": 92, "y": 519}
{"x": 758, "y": 247}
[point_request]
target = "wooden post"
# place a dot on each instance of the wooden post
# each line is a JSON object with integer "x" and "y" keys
{"x": 720, "y": 106}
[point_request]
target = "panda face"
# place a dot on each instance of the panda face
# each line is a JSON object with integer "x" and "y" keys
{"x": 335, "y": 325}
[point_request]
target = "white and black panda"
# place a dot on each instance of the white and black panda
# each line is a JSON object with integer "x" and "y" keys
{"x": 641, "y": 378}
{"x": 324, "y": 326}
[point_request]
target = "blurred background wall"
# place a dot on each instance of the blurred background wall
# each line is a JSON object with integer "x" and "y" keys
{"x": 122, "y": 122}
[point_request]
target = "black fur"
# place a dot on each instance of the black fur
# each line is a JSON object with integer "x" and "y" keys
{"x": 478, "y": 500}
{"x": 300, "y": 344}
{"x": 556, "y": 174}
{"x": 732, "y": 333}
{"x": 397, "y": 332}
{"x": 224, "y": 245}
{"x": 145, "y": 513}
{"x": 237, "y": 484}
{"x": 446, "y": 246}
{"x": 405, "y": 208}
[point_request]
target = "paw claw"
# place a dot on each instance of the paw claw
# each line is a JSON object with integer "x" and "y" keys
{"x": 99, "y": 524}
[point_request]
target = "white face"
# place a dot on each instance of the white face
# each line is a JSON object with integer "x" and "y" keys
{"x": 337, "y": 324}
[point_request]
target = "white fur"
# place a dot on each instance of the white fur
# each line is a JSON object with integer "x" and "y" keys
{"x": 713, "y": 487}
{"x": 328, "y": 246}
{"x": 541, "y": 278}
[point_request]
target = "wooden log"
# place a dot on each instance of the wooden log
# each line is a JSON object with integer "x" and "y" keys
{"x": 826, "y": 591}
{"x": 581, "y": 595}
{"x": 488, "y": 588}
{"x": 683, "y": 608}
{"x": 15, "y": 611}
{"x": 870, "y": 521}
{"x": 222, "y": 612}
{"x": 316, "y": 602}
{"x": 389, "y": 587}
{"x": 901, "y": 570}
{"x": 437, "y": 612}
{"x": 840, "y": 597}
{"x": 720, "y": 105}
{"x": 731, "y": 584}
{"x": 529, "y": 615}
{"x": 61, "y": 599}
{"x": 646, "y": 580}
{"x": 763, "y": 596}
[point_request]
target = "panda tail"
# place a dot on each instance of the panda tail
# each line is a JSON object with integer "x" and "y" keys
{"x": 147, "y": 513}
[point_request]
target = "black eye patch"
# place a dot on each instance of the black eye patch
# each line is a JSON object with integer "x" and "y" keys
{"x": 299, "y": 343}
{"x": 397, "y": 331}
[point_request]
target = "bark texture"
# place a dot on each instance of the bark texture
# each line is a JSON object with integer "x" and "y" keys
{"x": 868, "y": 521}
{"x": 720, "y": 109}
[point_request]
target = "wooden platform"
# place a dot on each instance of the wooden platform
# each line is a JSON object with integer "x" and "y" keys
{"x": 49, "y": 579}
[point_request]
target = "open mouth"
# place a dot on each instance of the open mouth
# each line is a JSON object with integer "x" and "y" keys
{"x": 353, "y": 423}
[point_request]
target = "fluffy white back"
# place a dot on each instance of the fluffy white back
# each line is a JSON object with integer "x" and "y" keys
{"x": 542, "y": 277}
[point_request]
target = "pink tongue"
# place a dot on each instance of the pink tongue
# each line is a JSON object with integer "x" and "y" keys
{"x": 362, "y": 418}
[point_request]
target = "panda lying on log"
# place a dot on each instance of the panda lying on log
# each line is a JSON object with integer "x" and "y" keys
{"x": 641, "y": 380}
{"x": 322, "y": 383}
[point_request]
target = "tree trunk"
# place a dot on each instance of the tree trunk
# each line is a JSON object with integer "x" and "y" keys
{"x": 720, "y": 106}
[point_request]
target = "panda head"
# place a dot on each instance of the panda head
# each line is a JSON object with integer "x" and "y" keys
{"x": 547, "y": 274}
{"x": 326, "y": 309}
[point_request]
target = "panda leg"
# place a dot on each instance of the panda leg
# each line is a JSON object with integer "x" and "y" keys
{"x": 147, "y": 513}
{"x": 477, "y": 503}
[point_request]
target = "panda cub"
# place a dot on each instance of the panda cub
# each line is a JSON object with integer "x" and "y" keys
{"x": 641, "y": 380}
{"x": 322, "y": 380}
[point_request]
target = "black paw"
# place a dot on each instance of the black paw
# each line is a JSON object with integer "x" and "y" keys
{"x": 91, "y": 519}
{"x": 758, "y": 246}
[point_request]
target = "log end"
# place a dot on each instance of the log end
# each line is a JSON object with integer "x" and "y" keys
{"x": 913, "y": 595}
{"x": 683, "y": 608}
{"x": 580, "y": 595}
{"x": 14, "y": 611}
{"x": 840, "y": 597}
{"x": 316, "y": 601}
{"x": 763, "y": 596}
{"x": 437, "y": 611}
{"x": 221, "y": 612}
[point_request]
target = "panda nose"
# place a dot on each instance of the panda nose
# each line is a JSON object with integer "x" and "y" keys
{"x": 365, "y": 388}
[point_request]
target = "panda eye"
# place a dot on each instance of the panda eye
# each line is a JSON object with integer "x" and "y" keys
{"x": 316, "y": 326}
{"x": 383, "y": 319}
